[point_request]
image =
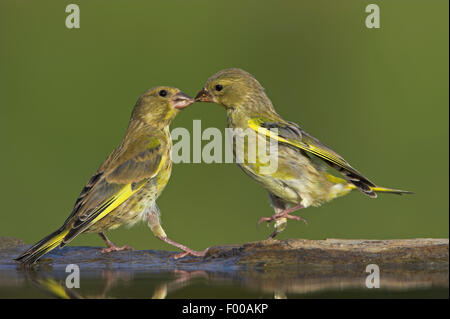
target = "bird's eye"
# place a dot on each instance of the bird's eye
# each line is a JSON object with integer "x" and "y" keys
{"x": 218, "y": 87}
{"x": 162, "y": 93}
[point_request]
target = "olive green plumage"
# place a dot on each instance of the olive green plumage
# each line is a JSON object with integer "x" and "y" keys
{"x": 301, "y": 178}
{"x": 125, "y": 187}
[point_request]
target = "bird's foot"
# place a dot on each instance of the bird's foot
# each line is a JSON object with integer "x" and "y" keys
{"x": 191, "y": 252}
{"x": 113, "y": 247}
{"x": 186, "y": 250}
{"x": 277, "y": 216}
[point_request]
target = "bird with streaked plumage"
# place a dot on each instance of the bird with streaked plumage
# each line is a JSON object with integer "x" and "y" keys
{"x": 124, "y": 189}
{"x": 301, "y": 178}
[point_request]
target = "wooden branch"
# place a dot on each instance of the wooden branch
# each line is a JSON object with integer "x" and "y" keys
{"x": 273, "y": 266}
{"x": 338, "y": 252}
{"x": 273, "y": 253}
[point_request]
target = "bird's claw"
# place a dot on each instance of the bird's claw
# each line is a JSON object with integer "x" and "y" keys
{"x": 279, "y": 216}
{"x": 190, "y": 252}
{"x": 115, "y": 248}
{"x": 296, "y": 218}
{"x": 266, "y": 219}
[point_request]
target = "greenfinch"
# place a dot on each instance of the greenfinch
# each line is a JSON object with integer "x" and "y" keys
{"x": 125, "y": 187}
{"x": 300, "y": 179}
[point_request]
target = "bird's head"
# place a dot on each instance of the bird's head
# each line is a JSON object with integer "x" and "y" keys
{"x": 160, "y": 105}
{"x": 233, "y": 89}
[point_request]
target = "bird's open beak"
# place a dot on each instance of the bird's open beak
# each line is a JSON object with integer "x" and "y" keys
{"x": 204, "y": 96}
{"x": 181, "y": 101}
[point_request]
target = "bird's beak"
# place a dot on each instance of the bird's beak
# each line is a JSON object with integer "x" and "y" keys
{"x": 181, "y": 100}
{"x": 204, "y": 96}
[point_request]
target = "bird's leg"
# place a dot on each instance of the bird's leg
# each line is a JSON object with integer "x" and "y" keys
{"x": 111, "y": 245}
{"x": 282, "y": 214}
{"x": 187, "y": 250}
{"x": 154, "y": 223}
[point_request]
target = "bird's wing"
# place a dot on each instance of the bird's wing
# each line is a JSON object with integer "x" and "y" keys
{"x": 124, "y": 173}
{"x": 292, "y": 135}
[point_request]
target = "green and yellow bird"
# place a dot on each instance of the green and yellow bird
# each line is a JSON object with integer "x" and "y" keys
{"x": 125, "y": 187}
{"x": 300, "y": 179}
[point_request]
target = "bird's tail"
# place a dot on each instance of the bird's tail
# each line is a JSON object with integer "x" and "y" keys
{"x": 347, "y": 187}
{"x": 380, "y": 189}
{"x": 42, "y": 247}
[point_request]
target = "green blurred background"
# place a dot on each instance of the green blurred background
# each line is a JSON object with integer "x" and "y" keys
{"x": 377, "y": 96}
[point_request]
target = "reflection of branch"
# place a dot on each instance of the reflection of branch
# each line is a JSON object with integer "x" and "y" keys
{"x": 111, "y": 278}
{"x": 338, "y": 280}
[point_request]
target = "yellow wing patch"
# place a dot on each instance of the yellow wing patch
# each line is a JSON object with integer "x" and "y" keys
{"x": 111, "y": 204}
{"x": 108, "y": 206}
{"x": 255, "y": 124}
{"x": 121, "y": 196}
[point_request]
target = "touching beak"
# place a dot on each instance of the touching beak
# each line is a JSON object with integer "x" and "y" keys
{"x": 181, "y": 100}
{"x": 204, "y": 96}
